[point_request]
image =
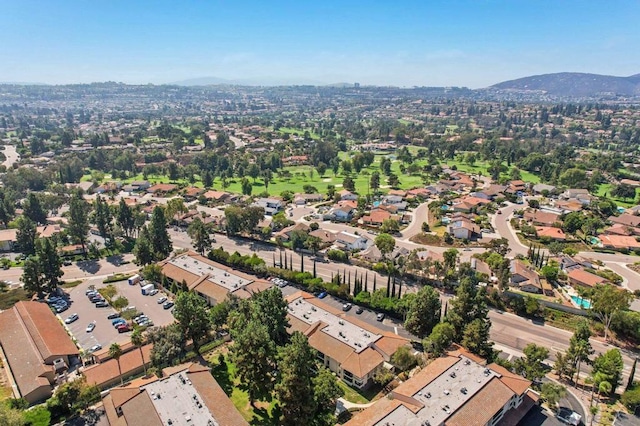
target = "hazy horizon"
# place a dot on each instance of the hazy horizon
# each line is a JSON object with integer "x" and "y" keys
{"x": 410, "y": 43}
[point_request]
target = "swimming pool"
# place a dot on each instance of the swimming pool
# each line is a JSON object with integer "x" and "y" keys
{"x": 583, "y": 303}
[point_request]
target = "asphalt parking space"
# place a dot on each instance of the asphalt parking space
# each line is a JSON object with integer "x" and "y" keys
{"x": 147, "y": 304}
{"x": 104, "y": 333}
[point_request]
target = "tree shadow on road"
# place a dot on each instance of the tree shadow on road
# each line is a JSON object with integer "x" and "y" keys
{"x": 116, "y": 259}
{"x": 89, "y": 266}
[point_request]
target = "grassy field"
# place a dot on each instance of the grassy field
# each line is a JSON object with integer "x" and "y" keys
{"x": 294, "y": 178}
{"x": 265, "y": 411}
{"x": 604, "y": 190}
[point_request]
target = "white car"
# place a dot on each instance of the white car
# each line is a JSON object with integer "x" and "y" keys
{"x": 161, "y": 300}
{"x": 91, "y": 327}
{"x": 153, "y": 292}
{"x": 71, "y": 318}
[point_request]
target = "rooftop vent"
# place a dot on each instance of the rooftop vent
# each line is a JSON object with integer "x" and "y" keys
{"x": 467, "y": 362}
{"x": 447, "y": 391}
{"x": 464, "y": 391}
{"x": 452, "y": 375}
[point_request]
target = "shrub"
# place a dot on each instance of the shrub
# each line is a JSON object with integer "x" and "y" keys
{"x": 337, "y": 255}
{"x": 631, "y": 398}
{"x": 120, "y": 303}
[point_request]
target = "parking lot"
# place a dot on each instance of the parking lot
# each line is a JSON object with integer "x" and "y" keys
{"x": 104, "y": 333}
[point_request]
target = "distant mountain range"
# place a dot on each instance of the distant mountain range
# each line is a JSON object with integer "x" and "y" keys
{"x": 575, "y": 84}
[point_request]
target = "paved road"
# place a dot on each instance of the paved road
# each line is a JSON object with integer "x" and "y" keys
{"x": 11, "y": 154}
{"x": 81, "y": 270}
{"x": 512, "y": 333}
{"x": 500, "y": 223}
{"x": 419, "y": 215}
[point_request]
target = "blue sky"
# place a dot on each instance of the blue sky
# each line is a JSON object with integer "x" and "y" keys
{"x": 472, "y": 43}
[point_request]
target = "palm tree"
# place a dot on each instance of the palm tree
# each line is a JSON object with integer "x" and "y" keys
{"x": 115, "y": 351}
{"x": 137, "y": 339}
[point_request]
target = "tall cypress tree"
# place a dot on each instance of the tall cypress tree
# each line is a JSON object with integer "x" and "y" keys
{"x": 314, "y": 269}
{"x": 366, "y": 282}
{"x": 374, "y": 284}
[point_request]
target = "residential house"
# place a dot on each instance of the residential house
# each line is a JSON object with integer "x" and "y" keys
{"x": 541, "y": 217}
{"x": 458, "y": 389}
{"x": 219, "y": 196}
{"x": 341, "y": 214}
{"x": 374, "y": 255}
{"x": 162, "y": 188}
{"x": 620, "y": 229}
{"x": 37, "y": 349}
{"x": 271, "y": 206}
{"x": 185, "y": 393}
{"x": 626, "y": 219}
{"x": 192, "y": 193}
{"x": 582, "y": 278}
{"x": 463, "y": 229}
{"x": 285, "y": 233}
{"x": 494, "y": 191}
{"x": 581, "y": 196}
{"x": 211, "y": 280}
{"x": 8, "y": 237}
{"x": 376, "y": 217}
{"x": 349, "y": 241}
{"x": 327, "y": 237}
{"x": 353, "y": 349}
{"x": 302, "y": 199}
{"x": 619, "y": 242}
{"x": 524, "y": 277}
{"x": 550, "y": 232}
{"x": 348, "y": 195}
{"x": 539, "y": 188}
{"x": 568, "y": 206}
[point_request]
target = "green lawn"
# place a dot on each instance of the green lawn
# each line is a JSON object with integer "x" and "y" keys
{"x": 265, "y": 411}
{"x": 604, "y": 190}
{"x": 356, "y": 396}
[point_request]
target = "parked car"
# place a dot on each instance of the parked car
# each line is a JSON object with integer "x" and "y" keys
{"x": 71, "y": 318}
{"x": 113, "y": 316}
{"x": 380, "y": 317}
{"x": 62, "y": 308}
{"x": 161, "y": 300}
{"x": 95, "y": 348}
{"x": 153, "y": 292}
{"x": 346, "y": 306}
{"x": 568, "y": 416}
{"x": 167, "y": 305}
{"x": 102, "y": 304}
{"x": 116, "y": 322}
{"x": 322, "y": 295}
{"x": 91, "y": 327}
{"x": 359, "y": 310}
{"x": 67, "y": 263}
{"x": 123, "y": 328}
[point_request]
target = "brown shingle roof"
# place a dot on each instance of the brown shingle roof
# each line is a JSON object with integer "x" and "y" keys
{"x": 24, "y": 360}
{"x": 483, "y": 406}
{"x": 103, "y": 373}
{"x": 46, "y": 331}
{"x": 214, "y": 397}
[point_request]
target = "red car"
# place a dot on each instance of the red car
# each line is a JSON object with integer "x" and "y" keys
{"x": 123, "y": 328}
